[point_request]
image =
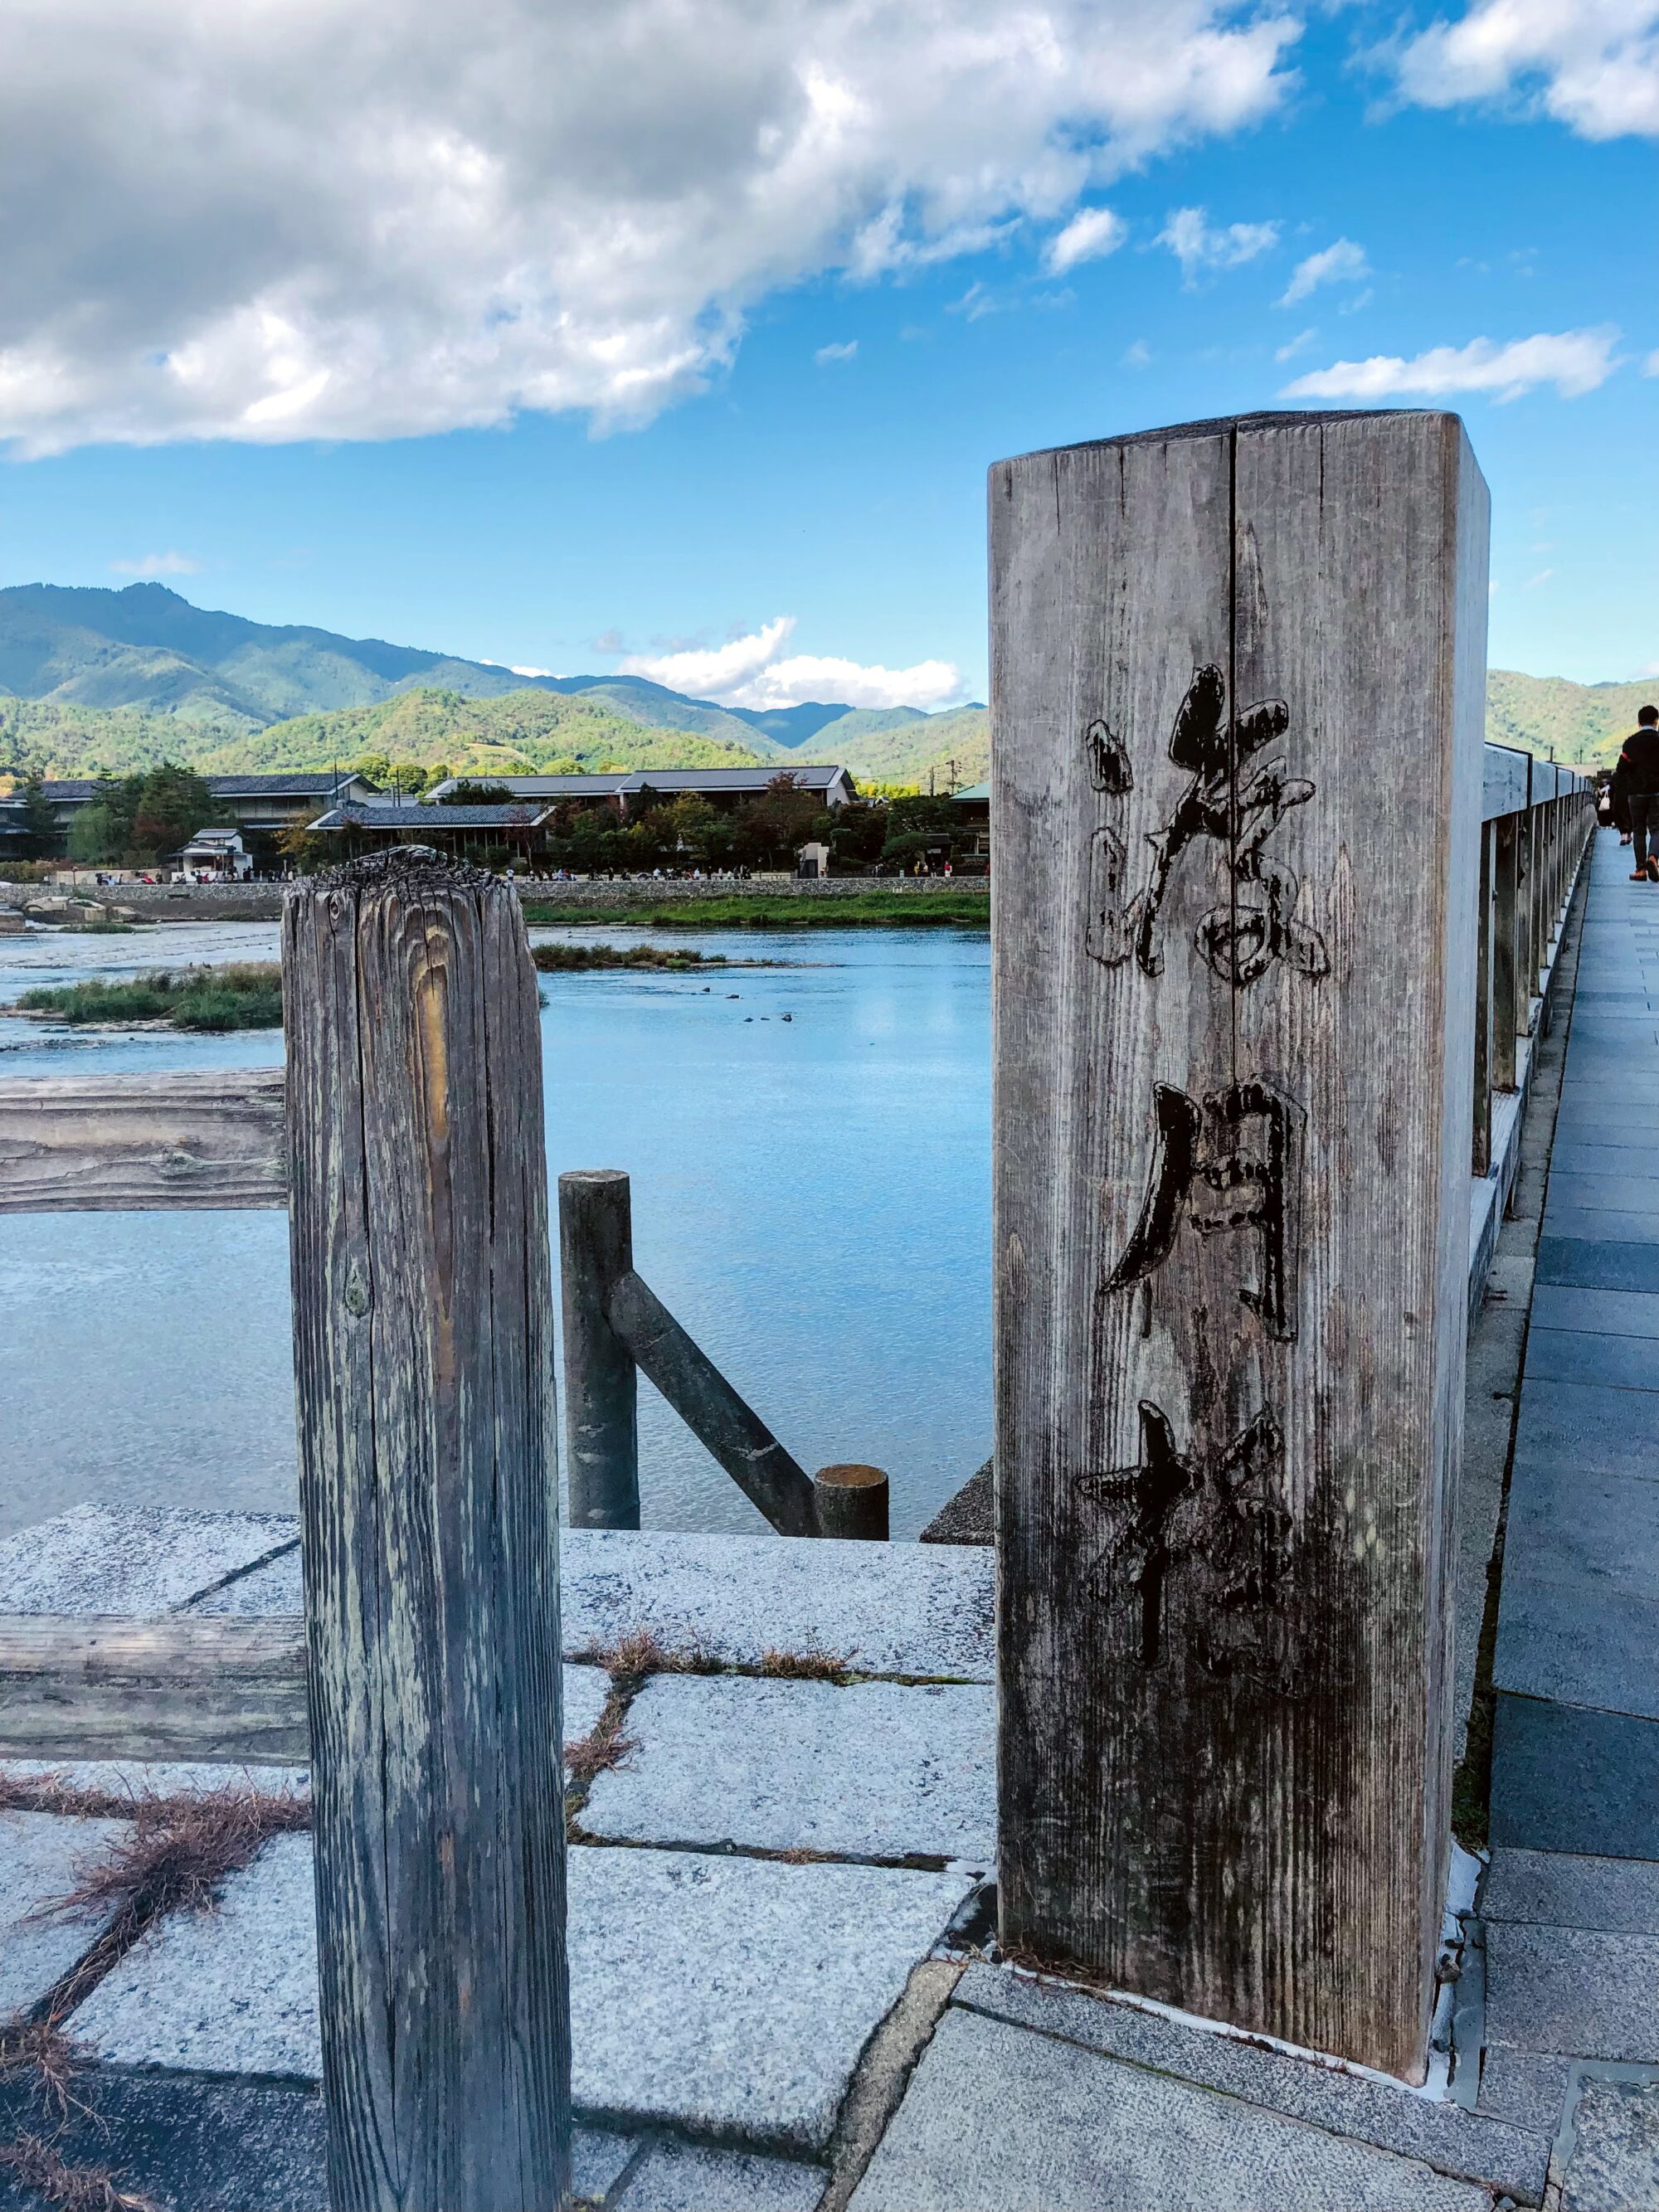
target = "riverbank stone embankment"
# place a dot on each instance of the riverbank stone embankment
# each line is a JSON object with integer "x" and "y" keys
{"x": 263, "y": 902}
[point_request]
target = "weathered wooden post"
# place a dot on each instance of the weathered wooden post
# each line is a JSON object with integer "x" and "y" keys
{"x": 851, "y": 1500}
{"x": 423, "y": 1351}
{"x": 1237, "y": 684}
{"x": 601, "y": 1387}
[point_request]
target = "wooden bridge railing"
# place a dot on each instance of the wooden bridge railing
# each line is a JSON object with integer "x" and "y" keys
{"x": 1537, "y": 821}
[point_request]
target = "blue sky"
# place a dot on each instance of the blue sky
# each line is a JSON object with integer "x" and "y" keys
{"x": 701, "y": 372}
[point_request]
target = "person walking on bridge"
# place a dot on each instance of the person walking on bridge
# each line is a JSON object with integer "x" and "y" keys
{"x": 1636, "y": 780}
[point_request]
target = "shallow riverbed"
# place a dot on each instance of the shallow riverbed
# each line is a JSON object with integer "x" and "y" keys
{"x": 811, "y": 1197}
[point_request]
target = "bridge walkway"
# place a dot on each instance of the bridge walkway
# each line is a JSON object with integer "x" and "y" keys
{"x": 1572, "y": 1900}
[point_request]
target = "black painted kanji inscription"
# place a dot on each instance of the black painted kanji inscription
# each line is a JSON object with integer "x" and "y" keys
{"x": 1217, "y": 1520}
{"x": 1241, "y": 940}
{"x": 1205, "y": 1171}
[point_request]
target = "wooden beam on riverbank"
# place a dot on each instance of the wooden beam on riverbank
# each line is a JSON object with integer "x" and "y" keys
{"x": 216, "y": 1691}
{"x": 190, "y": 1140}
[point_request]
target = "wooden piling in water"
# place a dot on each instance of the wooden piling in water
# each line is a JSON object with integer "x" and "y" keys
{"x": 601, "y": 1388}
{"x": 1238, "y": 683}
{"x": 424, "y": 1355}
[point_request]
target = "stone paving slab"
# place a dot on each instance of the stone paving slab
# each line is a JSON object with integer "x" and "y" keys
{"x": 1566, "y": 1890}
{"x": 188, "y": 2146}
{"x": 1618, "y": 1363}
{"x": 1604, "y": 1225}
{"x": 585, "y": 1689}
{"x": 1568, "y": 1780}
{"x": 726, "y": 1994}
{"x": 874, "y": 1771}
{"x": 733, "y": 1995}
{"x": 679, "y": 2177}
{"x": 1595, "y": 1313}
{"x": 1587, "y": 1426}
{"x": 1440, "y": 2134}
{"x": 232, "y": 1991}
{"x": 93, "y": 1559}
{"x": 1632, "y": 1187}
{"x": 913, "y": 1610}
{"x": 1615, "y": 2166}
{"x": 1581, "y": 1640}
{"x": 1580, "y": 1991}
{"x": 158, "y": 1778}
{"x": 39, "y": 1856}
{"x": 884, "y": 1609}
{"x": 1529, "y": 2088}
{"x": 1608, "y": 1164}
{"x": 1595, "y": 1264}
{"x": 999, "y": 2119}
{"x": 1570, "y": 1525}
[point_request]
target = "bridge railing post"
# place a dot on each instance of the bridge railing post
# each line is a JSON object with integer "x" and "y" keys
{"x": 1234, "y": 958}
{"x": 601, "y": 1387}
{"x": 423, "y": 1348}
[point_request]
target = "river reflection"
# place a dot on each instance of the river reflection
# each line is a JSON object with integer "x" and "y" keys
{"x": 811, "y": 1196}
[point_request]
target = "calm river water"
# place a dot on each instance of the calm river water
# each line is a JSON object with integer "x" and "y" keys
{"x": 810, "y": 1197}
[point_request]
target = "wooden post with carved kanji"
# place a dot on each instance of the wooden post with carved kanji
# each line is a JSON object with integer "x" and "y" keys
{"x": 1238, "y": 680}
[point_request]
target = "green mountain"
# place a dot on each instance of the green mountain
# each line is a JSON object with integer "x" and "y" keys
{"x": 516, "y": 733}
{"x": 956, "y": 747}
{"x": 1583, "y": 725}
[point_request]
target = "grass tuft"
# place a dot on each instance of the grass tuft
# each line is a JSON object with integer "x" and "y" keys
{"x": 884, "y": 909}
{"x": 605, "y": 1748}
{"x": 805, "y": 1666}
{"x": 244, "y": 995}
{"x": 38, "y": 2167}
{"x": 629, "y": 1661}
{"x": 561, "y": 959}
{"x": 177, "y": 1851}
{"x": 40, "y": 2051}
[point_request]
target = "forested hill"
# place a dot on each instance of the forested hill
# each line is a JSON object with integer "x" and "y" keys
{"x": 1583, "y": 725}
{"x": 95, "y": 681}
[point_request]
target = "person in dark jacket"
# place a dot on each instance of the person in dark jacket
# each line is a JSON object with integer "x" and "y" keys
{"x": 1636, "y": 780}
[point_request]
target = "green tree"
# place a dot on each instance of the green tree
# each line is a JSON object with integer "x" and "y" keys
{"x": 96, "y": 833}
{"x": 468, "y": 793}
{"x": 40, "y": 820}
{"x": 172, "y": 804}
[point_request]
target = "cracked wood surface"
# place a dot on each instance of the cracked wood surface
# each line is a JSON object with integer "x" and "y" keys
{"x": 1234, "y": 960}
{"x": 124, "y": 1143}
{"x": 423, "y": 1353}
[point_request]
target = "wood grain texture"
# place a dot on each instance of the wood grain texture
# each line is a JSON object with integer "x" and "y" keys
{"x": 726, "y": 1424}
{"x": 1232, "y": 1136}
{"x": 125, "y": 1144}
{"x": 424, "y": 1351}
{"x": 209, "y": 1690}
{"x": 601, "y": 1384}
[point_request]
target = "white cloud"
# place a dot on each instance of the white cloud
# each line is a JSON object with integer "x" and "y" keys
{"x": 1593, "y": 64}
{"x": 157, "y": 564}
{"x": 1137, "y": 356}
{"x": 826, "y": 354}
{"x": 755, "y": 670}
{"x": 1197, "y": 247}
{"x": 1574, "y": 362}
{"x": 327, "y": 221}
{"x": 1091, "y": 233}
{"x": 1650, "y": 366}
{"x": 1340, "y": 264}
{"x": 1299, "y": 344}
{"x": 513, "y": 669}
{"x": 1542, "y": 577}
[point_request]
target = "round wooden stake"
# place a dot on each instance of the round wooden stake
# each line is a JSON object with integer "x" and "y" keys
{"x": 851, "y": 1501}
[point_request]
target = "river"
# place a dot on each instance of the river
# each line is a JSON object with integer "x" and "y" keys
{"x": 810, "y": 1197}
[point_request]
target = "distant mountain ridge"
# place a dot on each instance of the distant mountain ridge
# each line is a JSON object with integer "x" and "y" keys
{"x": 106, "y": 680}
